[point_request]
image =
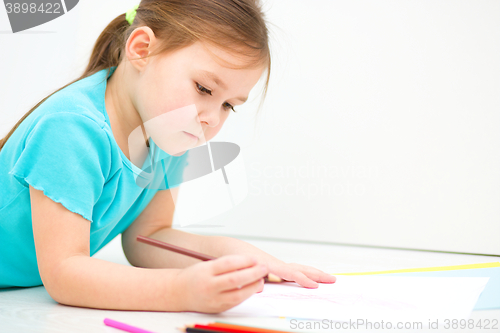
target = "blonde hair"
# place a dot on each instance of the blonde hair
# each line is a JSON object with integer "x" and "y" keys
{"x": 234, "y": 25}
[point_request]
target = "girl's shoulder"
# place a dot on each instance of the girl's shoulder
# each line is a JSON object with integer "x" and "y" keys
{"x": 69, "y": 124}
{"x": 76, "y": 112}
{"x": 84, "y": 97}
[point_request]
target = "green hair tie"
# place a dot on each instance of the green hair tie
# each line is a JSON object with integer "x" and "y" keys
{"x": 130, "y": 14}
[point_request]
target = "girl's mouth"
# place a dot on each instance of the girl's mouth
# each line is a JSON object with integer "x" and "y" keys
{"x": 191, "y": 135}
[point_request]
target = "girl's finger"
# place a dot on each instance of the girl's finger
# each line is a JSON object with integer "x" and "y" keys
{"x": 318, "y": 275}
{"x": 240, "y": 278}
{"x": 303, "y": 280}
{"x": 236, "y": 296}
{"x": 231, "y": 263}
{"x": 327, "y": 278}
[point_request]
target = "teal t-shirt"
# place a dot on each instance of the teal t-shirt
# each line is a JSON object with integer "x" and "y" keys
{"x": 66, "y": 148}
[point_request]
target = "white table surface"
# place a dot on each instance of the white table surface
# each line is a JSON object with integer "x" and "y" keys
{"x": 33, "y": 310}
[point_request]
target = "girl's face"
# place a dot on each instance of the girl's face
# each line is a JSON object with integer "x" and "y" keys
{"x": 184, "y": 97}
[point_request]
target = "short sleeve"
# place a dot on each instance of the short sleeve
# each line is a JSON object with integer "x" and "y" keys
{"x": 68, "y": 157}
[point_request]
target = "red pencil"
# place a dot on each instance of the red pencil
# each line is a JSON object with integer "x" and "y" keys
{"x": 234, "y": 329}
{"x": 270, "y": 277}
{"x": 174, "y": 248}
{"x": 239, "y": 327}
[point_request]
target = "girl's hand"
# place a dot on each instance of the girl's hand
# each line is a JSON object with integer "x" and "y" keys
{"x": 217, "y": 285}
{"x": 306, "y": 276}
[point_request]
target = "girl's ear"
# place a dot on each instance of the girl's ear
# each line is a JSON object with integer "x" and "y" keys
{"x": 139, "y": 45}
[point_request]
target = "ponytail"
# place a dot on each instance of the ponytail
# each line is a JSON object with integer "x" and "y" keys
{"x": 109, "y": 46}
{"x": 106, "y": 54}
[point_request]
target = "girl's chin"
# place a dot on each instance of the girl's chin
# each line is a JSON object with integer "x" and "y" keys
{"x": 179, "y": 153}
{"x": 180, "y": 150}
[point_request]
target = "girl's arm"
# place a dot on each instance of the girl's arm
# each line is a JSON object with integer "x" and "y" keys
{"x": 156, "y": 221}
{"x": 72, "y": 277}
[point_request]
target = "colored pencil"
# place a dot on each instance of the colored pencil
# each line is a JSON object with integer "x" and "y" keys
{"x": 124, "y": 327}
{"x": 234, "y": 329}
{"x": 240, "y": 327}
{"x": 225, "y": 328}
{"x": 198, "y": 330}
{"x": 174, "y": 248}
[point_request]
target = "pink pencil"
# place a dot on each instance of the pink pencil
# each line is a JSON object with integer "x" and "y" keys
{"x": 124, "y": 327}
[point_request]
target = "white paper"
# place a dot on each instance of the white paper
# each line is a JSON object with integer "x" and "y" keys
{"x": 373, "y": 298}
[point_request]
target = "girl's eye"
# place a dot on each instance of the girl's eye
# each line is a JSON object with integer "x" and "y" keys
{"x": 228, "y": 106}
{"x": 202, "y": 89}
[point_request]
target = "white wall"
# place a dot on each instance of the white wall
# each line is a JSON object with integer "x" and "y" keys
{"x": 381, "y": 125}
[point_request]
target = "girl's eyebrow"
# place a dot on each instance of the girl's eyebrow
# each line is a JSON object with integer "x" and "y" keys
{"x": 219, "y": 82}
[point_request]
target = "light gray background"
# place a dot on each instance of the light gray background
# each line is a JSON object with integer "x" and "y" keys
{"x": 397, "y": 101}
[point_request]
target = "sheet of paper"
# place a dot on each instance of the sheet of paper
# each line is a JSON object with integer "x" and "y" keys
{"x": 489, "y": 299}
{"x": 373, "y": 298}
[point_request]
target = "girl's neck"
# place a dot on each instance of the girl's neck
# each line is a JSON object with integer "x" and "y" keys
{"x": 122, "y": 114}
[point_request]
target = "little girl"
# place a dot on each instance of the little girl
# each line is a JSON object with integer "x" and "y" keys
{"x": 68, "y": 185}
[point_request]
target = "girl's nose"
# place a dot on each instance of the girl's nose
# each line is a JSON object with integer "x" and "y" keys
{"x": 209, "y": 116}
